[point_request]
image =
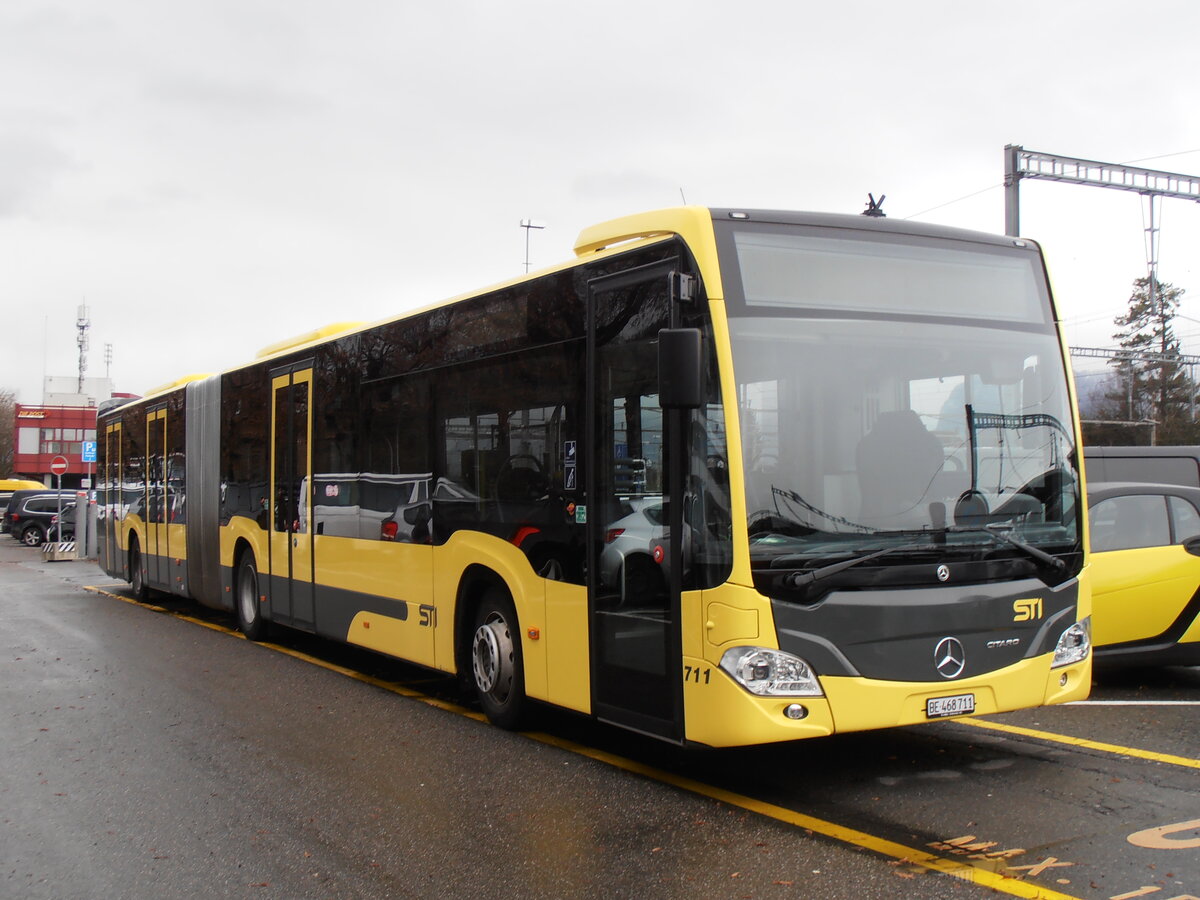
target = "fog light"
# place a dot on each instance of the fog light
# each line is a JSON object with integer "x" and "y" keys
{"x": 1062, "y": 680}
{"x": 795, "y": 711}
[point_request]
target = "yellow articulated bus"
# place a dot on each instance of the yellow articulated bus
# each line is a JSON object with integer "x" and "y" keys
{"x": 726, "y": 477}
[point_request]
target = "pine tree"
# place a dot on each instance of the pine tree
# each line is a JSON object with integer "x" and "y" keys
{"x": 1155, "y": 386}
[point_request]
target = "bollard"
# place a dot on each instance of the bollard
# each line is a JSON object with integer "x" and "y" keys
{"x": 92, "y": 551}
{"x": 81, "y": 524}
{"x": 58, "y": 551}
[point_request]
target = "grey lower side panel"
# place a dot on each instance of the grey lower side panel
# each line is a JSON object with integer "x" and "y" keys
{"x": 334, "y": 608}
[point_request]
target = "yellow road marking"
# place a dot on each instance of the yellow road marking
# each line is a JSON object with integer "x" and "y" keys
{"x": 1085, "y": 743}
{"x": 964, "y": 871}
{"x": 161, "y": 609}
{"x": 1160, "y": 838}
{"x": 976, "y": 874}
{"x": 393, "y": 686}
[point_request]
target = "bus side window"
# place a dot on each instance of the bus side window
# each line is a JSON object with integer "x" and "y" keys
{"x": 388, "y": 498}
{"x": 505, "y": 427}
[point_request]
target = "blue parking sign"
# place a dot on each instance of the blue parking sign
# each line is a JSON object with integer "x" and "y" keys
{"x": 89, "y": 451}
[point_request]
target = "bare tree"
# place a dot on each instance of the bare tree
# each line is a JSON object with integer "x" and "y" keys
{"x": 8, "y": 418}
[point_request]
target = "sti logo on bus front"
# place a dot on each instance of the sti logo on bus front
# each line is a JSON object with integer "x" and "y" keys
{"x": 1027, "y": 610}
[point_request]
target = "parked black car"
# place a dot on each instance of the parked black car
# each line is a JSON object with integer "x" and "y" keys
{"x": 8, "y": 487}
{"x": 30, "y": 517}
{"x": 1156, "y": 465}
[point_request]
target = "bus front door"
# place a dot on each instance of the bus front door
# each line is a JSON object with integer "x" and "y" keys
{"x": 634, "y": 615}
{"x": 291, "y": 497}
{"x": 157, "y": 547}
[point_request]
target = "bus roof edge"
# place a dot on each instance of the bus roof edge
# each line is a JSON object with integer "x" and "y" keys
{"x": 309, "y": 337}
{"x": 681, "y": 220}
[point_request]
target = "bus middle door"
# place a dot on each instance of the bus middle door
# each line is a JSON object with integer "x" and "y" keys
{"x": 157, "y": 548}
{"x": 292, "y": 571}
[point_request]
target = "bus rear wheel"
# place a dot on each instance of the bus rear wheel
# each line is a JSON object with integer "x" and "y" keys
{"x": 496, "y": 664}
{"x": 136, "y": 579}
{"x": 246, "y": 600}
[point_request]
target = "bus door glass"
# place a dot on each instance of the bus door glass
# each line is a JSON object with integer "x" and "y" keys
{"x": 157, "y": 549}
{"x": 291, "y": 498}
{"x": 636, "y": 652}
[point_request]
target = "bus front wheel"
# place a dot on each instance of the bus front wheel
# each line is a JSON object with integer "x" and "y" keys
{"x": 496, "y": 664}
{"x": 249, "y": 611}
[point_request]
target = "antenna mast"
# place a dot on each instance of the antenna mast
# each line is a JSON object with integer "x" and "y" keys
{"x": 82, "y": 325}
{"x": 875, "y": 207}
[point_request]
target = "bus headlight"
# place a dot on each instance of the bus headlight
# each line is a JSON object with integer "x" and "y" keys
{"x": 771, "y": 673}
{"x": 1074, "y": 644}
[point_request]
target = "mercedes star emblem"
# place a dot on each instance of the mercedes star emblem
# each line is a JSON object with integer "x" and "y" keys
{"x": 949, "y": 658}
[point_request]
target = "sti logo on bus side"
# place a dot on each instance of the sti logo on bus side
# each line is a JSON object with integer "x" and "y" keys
{"x": 1027, "y": 610}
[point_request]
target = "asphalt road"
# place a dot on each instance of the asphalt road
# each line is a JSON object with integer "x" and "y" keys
{"x": 145, "y": 751}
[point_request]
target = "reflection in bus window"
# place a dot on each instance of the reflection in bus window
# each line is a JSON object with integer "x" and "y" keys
{"x": 505, "y": 437}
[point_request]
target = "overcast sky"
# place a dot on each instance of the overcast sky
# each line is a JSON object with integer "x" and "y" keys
{"x": 210, "y": 178}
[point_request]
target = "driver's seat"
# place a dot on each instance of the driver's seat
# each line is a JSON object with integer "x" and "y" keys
{"x": 897, "y": 459}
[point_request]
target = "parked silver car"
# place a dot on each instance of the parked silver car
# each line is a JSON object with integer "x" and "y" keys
{"x": 628, "y": 558}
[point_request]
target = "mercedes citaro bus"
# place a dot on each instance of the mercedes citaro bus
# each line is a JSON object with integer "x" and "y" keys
{"x": 725, "y": 477}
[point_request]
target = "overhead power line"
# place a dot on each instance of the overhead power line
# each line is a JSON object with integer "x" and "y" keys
{"x": 1161, "y": 156}
{"x": 990, "y": 187}
{"x": 1134, "y": 355}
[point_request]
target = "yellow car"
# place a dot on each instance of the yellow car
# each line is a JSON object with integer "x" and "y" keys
{"x": 1145, "y": 568}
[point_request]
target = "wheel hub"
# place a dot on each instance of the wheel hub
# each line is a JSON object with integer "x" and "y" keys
{"x": 492, "y": 655}
{"x": 248, "y": 599}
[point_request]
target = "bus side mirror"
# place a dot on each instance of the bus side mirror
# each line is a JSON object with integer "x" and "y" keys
{"x": 680, "y": 369}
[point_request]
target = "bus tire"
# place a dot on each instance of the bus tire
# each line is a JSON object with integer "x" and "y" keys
{"x": 496, "y": 664}
{"x": 136, "y": 579}
{"x": 246, "y": 603}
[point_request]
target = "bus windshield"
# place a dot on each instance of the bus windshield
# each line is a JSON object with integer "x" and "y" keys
{"x": 915, "y": 405}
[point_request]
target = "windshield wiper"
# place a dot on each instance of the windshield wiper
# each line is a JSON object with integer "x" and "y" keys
{"x": 1006, "y": 536}
{"x": 803, "y": 579}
